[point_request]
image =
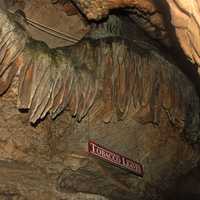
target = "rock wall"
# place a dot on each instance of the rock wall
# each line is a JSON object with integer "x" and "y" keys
{"x": 50, "y": 160}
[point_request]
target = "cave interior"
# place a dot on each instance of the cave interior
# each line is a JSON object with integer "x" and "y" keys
{"x": 99, "y": 100}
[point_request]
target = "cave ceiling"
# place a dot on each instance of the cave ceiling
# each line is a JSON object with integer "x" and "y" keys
{"x": 163, "y": 17}
{"x": 167, "y": 21}
{"x": 64, "y": 23}
{"x": 173, "y": 24}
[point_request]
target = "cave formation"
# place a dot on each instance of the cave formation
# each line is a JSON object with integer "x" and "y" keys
{"x": 123, "y": 74}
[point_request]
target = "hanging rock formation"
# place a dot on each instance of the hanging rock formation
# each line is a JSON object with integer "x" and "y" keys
{"x": 127, "y": 77}
{"x": 184, "y": 15}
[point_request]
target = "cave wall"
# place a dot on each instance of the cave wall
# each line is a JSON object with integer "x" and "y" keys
{"x": 50, "y": 160}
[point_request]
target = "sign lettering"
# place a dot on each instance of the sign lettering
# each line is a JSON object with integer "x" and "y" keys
{"x": 115, "y": 158}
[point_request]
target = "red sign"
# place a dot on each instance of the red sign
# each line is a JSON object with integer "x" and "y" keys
{"x": 115, "y": 158}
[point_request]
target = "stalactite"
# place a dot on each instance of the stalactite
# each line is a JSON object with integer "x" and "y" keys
{"x": 128, "y": 77}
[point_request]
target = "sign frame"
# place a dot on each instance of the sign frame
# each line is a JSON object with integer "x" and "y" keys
{"x": 115, "y": 158}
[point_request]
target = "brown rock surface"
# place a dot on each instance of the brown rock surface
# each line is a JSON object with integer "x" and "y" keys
{"x": 185, "y": 19}
{"x": 53, "y": 17}
{"x": 50, "y": 161}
